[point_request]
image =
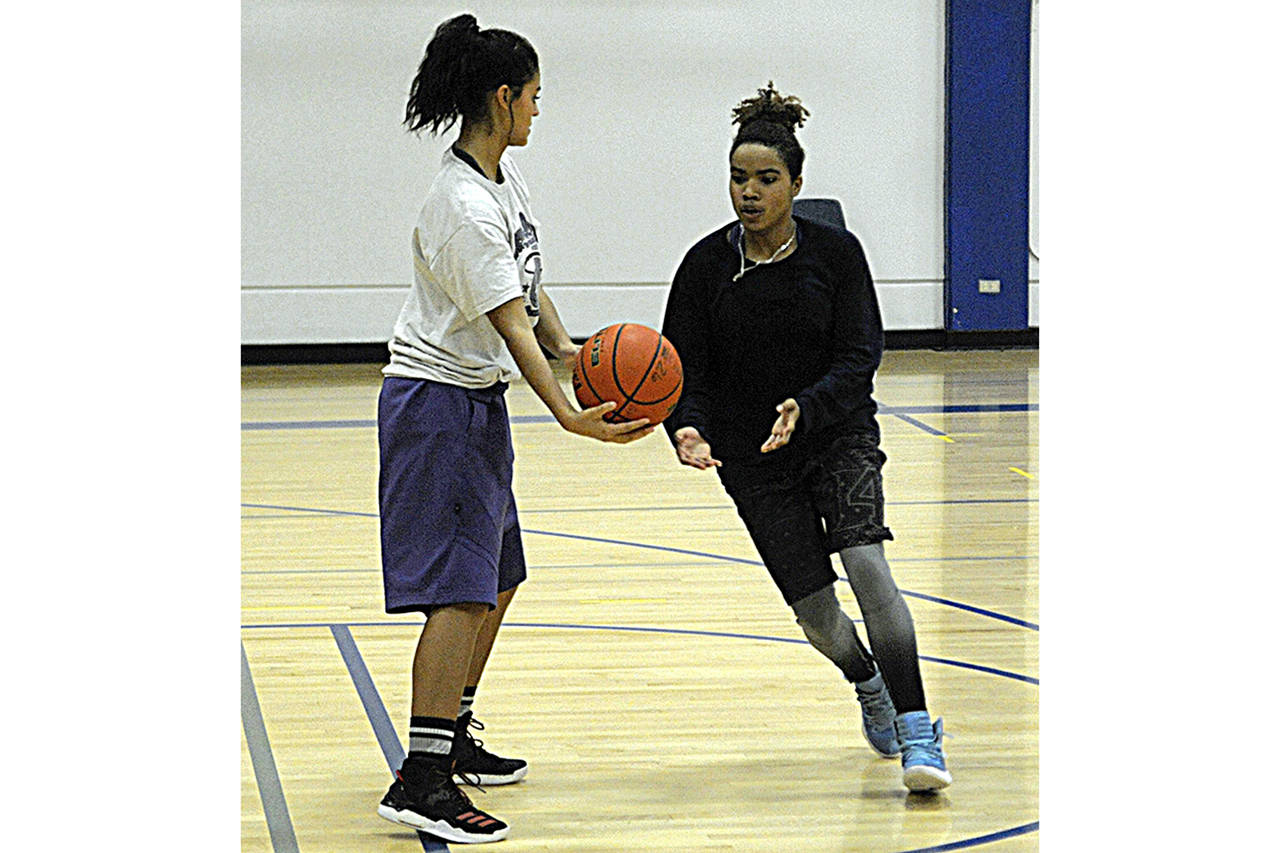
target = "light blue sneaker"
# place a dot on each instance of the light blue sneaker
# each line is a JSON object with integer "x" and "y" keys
{"x": 878, "y": 716}
{"x": 924, "y": 767}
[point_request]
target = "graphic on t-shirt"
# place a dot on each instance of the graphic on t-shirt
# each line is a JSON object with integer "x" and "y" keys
{"x": 529, "y": 260}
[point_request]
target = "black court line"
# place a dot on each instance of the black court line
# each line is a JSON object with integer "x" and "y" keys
{"x": 274, "y": 806}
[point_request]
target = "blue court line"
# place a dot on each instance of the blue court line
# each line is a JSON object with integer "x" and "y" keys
{"x": 364, "y": 423}
{"x": 899, "y": 411}
{"x": 1034, "y": 826}
{"x": 726, "y": 558}
{"x": 542, "y": 533}
{"x": 733, "y": 636}
{"x": 376, "y": 711}
{"x": 594, "y": 564}
{"x": 643, "y": 545}
{"x": 959, "y": 606}
{"x": 919, "y": 424}
{"x": 667, "y": 508}
{"x": 1002, "y": 558}
{"x": 392, "y": 750}
{"x": 964, "y": 408}
{"x": 310, "y": 510}
{"x": 274, "y": 806}
{"x": 1003, "y": 673}
{"x": 646, "y": 630}
{"x": 257, "y": 425}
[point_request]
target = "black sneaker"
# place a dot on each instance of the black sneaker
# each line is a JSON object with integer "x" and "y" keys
{"x": 433, "y": 804}
{"x": 471, "y": 759}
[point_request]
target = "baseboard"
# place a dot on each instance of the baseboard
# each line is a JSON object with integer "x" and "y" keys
{"x": 940, "y": 339}
{"x": 376, "y": 353}
{"x": 274, "y": 354}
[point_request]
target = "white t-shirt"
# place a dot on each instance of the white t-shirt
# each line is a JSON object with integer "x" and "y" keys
{"x": 475, "y": 247}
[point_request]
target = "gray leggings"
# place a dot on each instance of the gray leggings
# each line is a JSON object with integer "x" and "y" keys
{"x": 890, "y": 630}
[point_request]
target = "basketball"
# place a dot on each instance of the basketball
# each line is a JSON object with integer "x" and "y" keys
{"x": 632, "y": 366}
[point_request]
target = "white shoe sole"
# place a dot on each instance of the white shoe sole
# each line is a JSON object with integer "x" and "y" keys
{"x": 439, "y": 828}
{"x": 491, "y": 779}
{"x": 925, "y": 778}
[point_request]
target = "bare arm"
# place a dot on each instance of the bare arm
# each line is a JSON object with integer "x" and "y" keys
{"x": 512, "y": 324}
{"x": 551, "y": 332}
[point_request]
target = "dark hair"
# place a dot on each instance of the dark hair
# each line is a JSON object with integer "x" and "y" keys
{"x": 462, "y": 65}
{"x": 770, "y": 119}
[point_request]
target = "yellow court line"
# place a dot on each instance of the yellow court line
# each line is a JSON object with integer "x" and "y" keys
{"x": 1023, "y": 473}
{"x": 948, "y": 439}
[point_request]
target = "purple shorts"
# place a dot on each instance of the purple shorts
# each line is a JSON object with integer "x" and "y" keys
{"x": 448, "y": 515}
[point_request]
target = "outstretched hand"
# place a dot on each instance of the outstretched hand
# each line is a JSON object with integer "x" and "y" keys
{"x": 693, "y": 450}
{"x": 784, "y": 426}
{"x": 591, "y": 423}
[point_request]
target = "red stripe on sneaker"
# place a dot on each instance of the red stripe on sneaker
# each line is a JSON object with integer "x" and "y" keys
{"x": 465, "y": 816}
{"x": 487, "y": 822}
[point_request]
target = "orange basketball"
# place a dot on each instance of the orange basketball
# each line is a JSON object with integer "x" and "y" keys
{"x": 633, "y": 366}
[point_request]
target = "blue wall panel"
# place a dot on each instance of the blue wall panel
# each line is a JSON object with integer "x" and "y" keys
{"x": 988, "y": 166}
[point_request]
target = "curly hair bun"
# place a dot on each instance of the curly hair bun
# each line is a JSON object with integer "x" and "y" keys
{"x": 769, "y": 105}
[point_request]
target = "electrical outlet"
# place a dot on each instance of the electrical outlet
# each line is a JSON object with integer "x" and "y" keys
{"x": 988, "y": 285}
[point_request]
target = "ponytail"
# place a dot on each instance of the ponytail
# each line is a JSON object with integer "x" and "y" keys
{"x": 461, "y": 66}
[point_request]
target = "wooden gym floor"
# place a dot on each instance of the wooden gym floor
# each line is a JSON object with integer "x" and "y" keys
{"x": 648, "y": 669}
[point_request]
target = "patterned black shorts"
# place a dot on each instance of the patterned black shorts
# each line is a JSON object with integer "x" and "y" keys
{"x": 798, "y": 518}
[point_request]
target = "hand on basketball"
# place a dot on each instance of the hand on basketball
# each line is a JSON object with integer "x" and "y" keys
{"x": 591, "y": 423}
{"x": 693, "y": 450}
{"x": 788, "y": 417}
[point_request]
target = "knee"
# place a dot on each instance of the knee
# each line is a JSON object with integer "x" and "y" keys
{"x": 870, "y": 578}
{"x": 818, "y": 615}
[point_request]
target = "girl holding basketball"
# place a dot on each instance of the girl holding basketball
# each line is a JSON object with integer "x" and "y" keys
{"x": 779, "y": 333}
{"x": 475, "y": 319}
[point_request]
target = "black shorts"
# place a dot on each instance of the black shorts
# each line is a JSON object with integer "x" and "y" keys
{"x": 799, "y": 517}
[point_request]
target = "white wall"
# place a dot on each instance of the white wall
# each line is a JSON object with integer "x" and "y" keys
{"x": 628, "y": 161}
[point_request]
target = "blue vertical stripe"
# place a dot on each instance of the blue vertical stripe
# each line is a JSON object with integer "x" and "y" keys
{"x": 988, "y": 163}
{"x": 274, "y": 806}
{"x": 376, "y": 711}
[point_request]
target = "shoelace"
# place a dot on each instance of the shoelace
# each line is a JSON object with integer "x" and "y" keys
{"x": 878, "y": 705}
{"x": 476, "y": 743}
{"x": 471, "y": 780}
{"x": 930, "y": 741}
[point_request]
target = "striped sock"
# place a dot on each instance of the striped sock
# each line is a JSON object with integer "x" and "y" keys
{"x": 430, "y": 738}
{"x": 468, "y": 699}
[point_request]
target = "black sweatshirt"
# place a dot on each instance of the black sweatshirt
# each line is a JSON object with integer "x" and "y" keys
{"x": 807, "y": 326}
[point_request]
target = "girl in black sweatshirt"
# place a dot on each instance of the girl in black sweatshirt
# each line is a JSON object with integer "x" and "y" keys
{"x": 776, "y": 322}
